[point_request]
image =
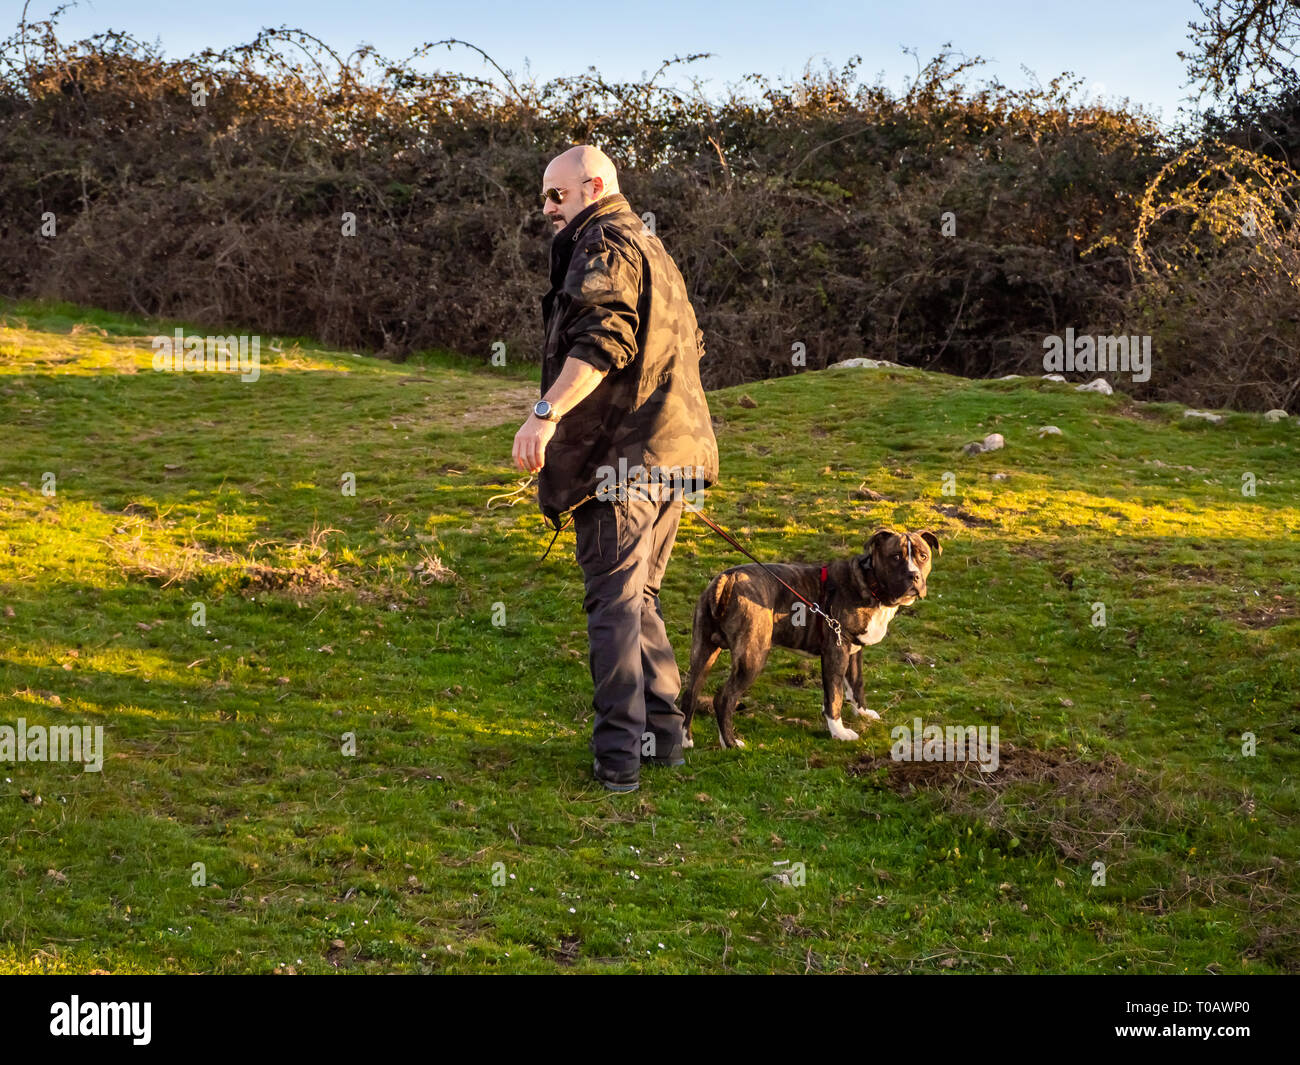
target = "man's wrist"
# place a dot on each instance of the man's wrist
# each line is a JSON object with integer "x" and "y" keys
{"x": 546, "y": 411}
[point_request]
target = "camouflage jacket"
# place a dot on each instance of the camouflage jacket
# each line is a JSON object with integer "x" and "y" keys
{"x": 618, "y": 302}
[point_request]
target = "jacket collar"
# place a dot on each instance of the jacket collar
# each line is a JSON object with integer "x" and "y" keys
{"x": 563, "y": 241}
{"x": 568, "y": 236}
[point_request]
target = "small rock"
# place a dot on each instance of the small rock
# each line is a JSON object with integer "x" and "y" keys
{"x": 1009, "y": 377}
{"x": 1275, "y": 415}
{"x": 748, "y": 402}
{"x": 1213, "y": 419}
{"x": 869, "y": 364}
{"x": 1054, "y": 377}
{"x": 992, "y": 442}
{"x": 1100, "y": 385}
{"x": 1048, "y": 430}
{"x": 1000, "y": 476}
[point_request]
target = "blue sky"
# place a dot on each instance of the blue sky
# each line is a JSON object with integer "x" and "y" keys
{"x": 1122, "y": 48}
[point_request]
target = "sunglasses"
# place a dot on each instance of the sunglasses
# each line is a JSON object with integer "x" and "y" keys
{"x": 557, "y": 195}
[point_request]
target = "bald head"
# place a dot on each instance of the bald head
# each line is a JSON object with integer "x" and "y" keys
{"x": 583, "y": 174}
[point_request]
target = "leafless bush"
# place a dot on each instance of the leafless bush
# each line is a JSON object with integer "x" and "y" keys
{"x": 218, "y": 187}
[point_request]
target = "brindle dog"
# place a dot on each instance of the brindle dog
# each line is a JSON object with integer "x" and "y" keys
{"x": 745, "y": 610}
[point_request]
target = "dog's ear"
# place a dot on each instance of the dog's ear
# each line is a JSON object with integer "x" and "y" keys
{"x": 876, "y": 538}
{"x": 932, "y": 540}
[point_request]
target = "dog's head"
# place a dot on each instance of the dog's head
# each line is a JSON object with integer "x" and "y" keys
{"x": 899, "y": 564}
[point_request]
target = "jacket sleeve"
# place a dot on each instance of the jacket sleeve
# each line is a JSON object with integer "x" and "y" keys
{"x": 604, "y": 288}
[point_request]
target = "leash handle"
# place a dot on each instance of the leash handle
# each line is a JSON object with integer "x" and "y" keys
{"x": 831, "y": 623}
{"x": 511, "y": 497}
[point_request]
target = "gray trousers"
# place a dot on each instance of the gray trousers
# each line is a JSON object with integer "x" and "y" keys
{"x": 623, "y": 548}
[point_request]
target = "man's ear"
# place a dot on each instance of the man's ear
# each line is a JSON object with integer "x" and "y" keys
{"x": 932, "y": 540}
{"x": 876, "y": 538}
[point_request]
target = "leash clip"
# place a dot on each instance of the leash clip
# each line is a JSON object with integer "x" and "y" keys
{"x": 833, "y": 625}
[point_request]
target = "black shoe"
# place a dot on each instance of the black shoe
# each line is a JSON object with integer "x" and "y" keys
{"x": 613, "y": 783}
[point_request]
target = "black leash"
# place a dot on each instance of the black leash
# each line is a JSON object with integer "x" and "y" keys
{"x": 563, "y": 525}
{"x": 517, "y": 495}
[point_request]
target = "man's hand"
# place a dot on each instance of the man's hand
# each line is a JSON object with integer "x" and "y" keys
{"x": 531, "y": 441}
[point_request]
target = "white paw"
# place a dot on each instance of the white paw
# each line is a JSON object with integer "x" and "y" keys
{"x": 740, "y": 743}
{"x": 838, "y": 730}
{"x": 862, "y": 711}
{"x": 687, "y": 743}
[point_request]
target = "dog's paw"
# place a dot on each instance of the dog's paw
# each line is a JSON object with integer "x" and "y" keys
{"x": 740, "y": 742}
{"x": 867, "y": 712}
{"x": 687, "y": 743}
{"x": 838, "y": 730}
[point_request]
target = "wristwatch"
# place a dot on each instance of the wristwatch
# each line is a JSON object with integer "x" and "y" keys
{"x": 546, "y": 411}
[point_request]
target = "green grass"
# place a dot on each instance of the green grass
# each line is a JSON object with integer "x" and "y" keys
{"x": 373, "y": 614}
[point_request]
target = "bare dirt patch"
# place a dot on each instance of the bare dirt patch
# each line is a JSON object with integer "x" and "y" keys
{"x": 1059, "y": 767}
{"x": 1141, "y": 412}
{"x": 1054, "y": 797}
{"x": 566, "y": 953}
{"x": 504, "y": 403}
{"x": 1264, "y": 613}
{"x": 971, "y": 521}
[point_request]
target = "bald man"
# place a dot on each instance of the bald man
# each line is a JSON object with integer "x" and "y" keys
{"x": 621, "y": 436}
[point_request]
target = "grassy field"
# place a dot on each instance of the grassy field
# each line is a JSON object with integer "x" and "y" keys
{"x": 465, "y": 834}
